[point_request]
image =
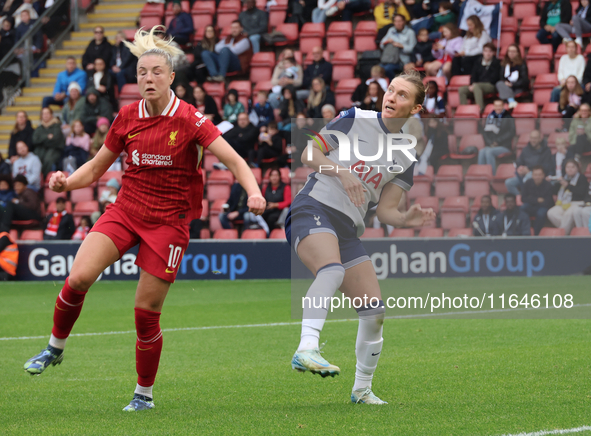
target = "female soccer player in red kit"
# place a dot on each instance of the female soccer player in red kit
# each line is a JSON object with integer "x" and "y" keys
{"x": 161, "y": 193}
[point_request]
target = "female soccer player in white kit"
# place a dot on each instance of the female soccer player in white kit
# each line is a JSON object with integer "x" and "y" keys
{"x": 326, "y": 220}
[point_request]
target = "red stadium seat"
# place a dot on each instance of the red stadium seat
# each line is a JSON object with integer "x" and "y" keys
{"x": 431, "y": 233}
{"x": 261, "y": 66}
{"x": 215, "y": 89}
{"x": 276, "y": 18}
{"x": 149, "y": 22}
{"x": 467, "y": 141}
{"x": 477, "y": 181}
{"x": 456, "y": 82}
{"x": 257, "y": 175}
{"x": 244, "y": 87}
{"x": 504, "y": 171}
{"x": 440, "y": 83}
{"x": 344, "y": 91}
{"x": 454, "y": 233}
{"x": 290, "y": 31}
{"x": 447, "y": 181}
{"x": 402, "y": 233}
{"x": 85, "y": 208}
{"x": 254, "y": 234}
{"x": 118, "y": 175}
{"x": 522, "y": 10}
{"x": 508, "y": 24}
{"x": 338, "y": 36}
{"x": 453, "y": 212}
{"x": 130, "y": 90}
{"x": 422, "y": 185}
{"x": 426, "y": 203}
{"x": 82, "y": 194}
{"x": 152, "y": 10}
{"x": 225, "y": 234}
{"x": 208, "y": 160}
{"x": 463, "y": 125}
{"x": 204, "y": 234}
{"x": 580, "y": 231}
{"x": 528, "y": 112}
{"x": 552, "y": 232}
{"x": 301, "y": 174}
{"x": 263, "y": 86}
{"x": 542, "y": 96}
{"x": 220, "y": 177}
{"x": 204, "y": 209}
{"x": 205, "y": 7}
{"x": 13, "y": 235}
{"x": 364, "y": 36}
{"x": 552, "y": 118}
{"x": 32, "y": 235}
{"x": 311, "y": 35}
{"x": 507, "y": 38}
{"x": 344, "y": 63}
{"x": 540, "y": 51}
{"x": 372, "y": 233}
{"x": 538, "y": 66}
{"x": 50, "y": 196}
{"x": 218, "y": 192}
{"x": 277, "y": 234}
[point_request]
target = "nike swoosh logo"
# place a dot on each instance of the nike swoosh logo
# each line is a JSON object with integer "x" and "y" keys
{"x": 59, "y": 308}
{"x": 169, "y": 272}
{"x": 132, "y": 136}
{"x": 321, "y": 364}
{"x": 146, "y": 349}
{"x": 375, "y": 354}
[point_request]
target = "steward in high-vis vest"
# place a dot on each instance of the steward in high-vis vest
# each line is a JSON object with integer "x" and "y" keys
{"x": 8, "y": 257}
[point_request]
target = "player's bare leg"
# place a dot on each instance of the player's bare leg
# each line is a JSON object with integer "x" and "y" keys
{"x": 320, "y": 253}
{"x": 361, "y": 281}
{"x": 95, "y": 254}
{"x": 149, "y": 298}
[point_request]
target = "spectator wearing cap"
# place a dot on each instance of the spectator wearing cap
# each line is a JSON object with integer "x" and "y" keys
{"x": 181, "y": 27}
{"x": 26, "y": 206}
{"x": 27, "y": 164}
{"x": 255, "y": 23}
{"x": 60, "y": 224}
{"x": 99, "y": 47}
{"x": 74, "y": 96}
{"x": 61, "y": 90}
{"x": 102, "y": 128}
{"x": 90, "y": 109}
{"x": 231, "y": 54}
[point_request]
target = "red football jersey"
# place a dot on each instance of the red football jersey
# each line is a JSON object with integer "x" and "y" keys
{"x": 163, "y": 182}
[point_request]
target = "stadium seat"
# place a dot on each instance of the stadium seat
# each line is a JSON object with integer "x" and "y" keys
{"x": 14, "y": 234}
{"x": 208, "y": 160}
{"x": 218, "y": 192}
{"x": 204, "y": 209}
{"x": 257, "y": 175}
{"x": 456, "y": 82}
{"x": 204, "y": 7}
{"x": 50, "y": 196}
{"x": 338, "y": 36}
{"x": 220, "y": 177}
{"x": 344, "y": 91}
{"x": 523, "y": 9}
{"x": 454, "y": 233}
{"x": 477, "y": 181}
{"x": 463, "y": 125}
{"x": 51, "y": 207}
{"x": 254, "y": 234}
{"x": 290, "y": 31}
{"x": 118, "y": 175}
{"x": 509, "y": 24}
{"x": 85, "y": 208}
{"x": 301, "y": 174}
{"x": 32, "y": 235}
{"x": 82, "y": 194}
{"x": 528, "y": 112}
{"x": 538, "y": 59}
{"x": 276, "y": 18}
{"x": 552, "y": 232}
{"x": 422, "y": 185}
{"x": 152, "y": 10}
{"x": 440, "y": 83}
{"x": 311, "y": 35}
{"x": 130, "y": 90}
{"x": 215, "y": 89}
{"x": 372, "y": 233}
{"x": 522, "y": 142}
{"x": 428, "y": 202}
{"x": 277, "y": 234}
{"x": 402, "y": 233}
{"x": 507, "y": 38}
{"x": 261, "y": 66}
{"x": 552, "y": 118}
{"x": 528, "y": 30}
{"x": 504, "y": 171}
{"x": 243, "y": 87}
{"x": 453, "y": 212}
{"x": 580, "y": 231}
{"x": 344, "y": 63}
{"x": 447, "y": 181}
{"x": 542, "y": 96}
{"x": 431, "y": 233}
{"x": 149, "y": 22}
{"x": 204, "y": 234}
{"x": 364, "y": 36}
{"x": 467, "y": 141}
{"x": 476, "y": 205}
{"x": 264, "y": 85}
{"x": 225, "y": 234}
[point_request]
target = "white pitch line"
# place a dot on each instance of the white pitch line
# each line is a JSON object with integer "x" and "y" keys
{"x": 549, "y": 432}
{"x": 279, "y": 324}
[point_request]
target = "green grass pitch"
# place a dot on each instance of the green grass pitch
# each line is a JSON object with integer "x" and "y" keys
{"x": 441, "y": 377}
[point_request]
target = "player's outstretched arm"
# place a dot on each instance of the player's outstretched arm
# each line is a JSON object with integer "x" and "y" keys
{"x": 228, "y": 156}
{"x": 84, "y": 176}
{"x": 388, "y": 212}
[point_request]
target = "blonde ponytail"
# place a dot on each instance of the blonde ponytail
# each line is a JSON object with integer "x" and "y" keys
{"x": 147, "y": 43}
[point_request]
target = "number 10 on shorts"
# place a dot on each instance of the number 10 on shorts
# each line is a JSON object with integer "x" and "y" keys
{"x": 174, "y": 256}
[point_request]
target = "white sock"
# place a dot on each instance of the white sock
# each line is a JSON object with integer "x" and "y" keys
{"x": 57, "y": 343}
{"x": 328, "y": 279}
{"x": 368, "y": 346}
{"x": 145, "y": 391}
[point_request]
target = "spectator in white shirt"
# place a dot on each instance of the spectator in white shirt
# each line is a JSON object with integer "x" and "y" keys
{"x": 570, "y": 64}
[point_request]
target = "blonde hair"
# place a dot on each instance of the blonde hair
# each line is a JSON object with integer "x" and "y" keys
{"x": 148, "y": 43}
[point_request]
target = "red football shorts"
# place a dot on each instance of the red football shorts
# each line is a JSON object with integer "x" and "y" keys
{"x": 161, "y": 246}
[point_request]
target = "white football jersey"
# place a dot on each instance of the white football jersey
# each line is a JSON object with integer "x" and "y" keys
{"x": 374, "y": 174}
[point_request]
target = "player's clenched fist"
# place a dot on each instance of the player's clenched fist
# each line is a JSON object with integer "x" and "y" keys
{"x": 58, "y": 182}
{"x": 256, "y": 204}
